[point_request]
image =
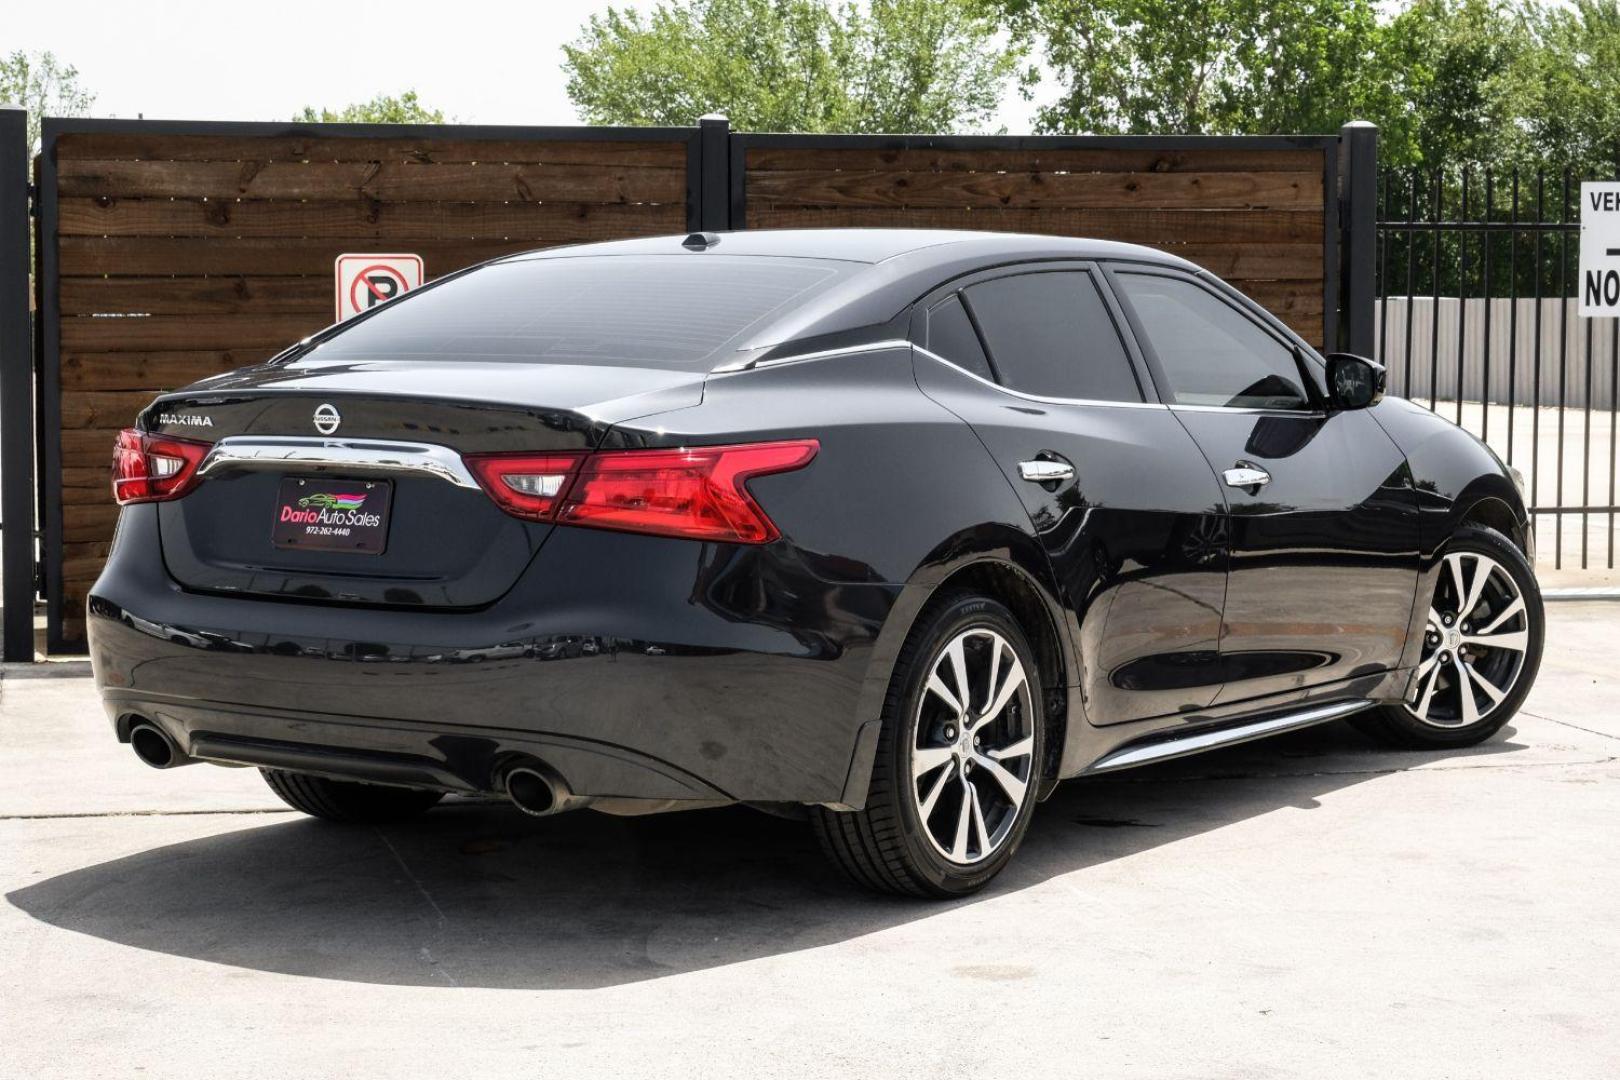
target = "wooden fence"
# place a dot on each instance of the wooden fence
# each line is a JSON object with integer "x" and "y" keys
{"x": 169, "y": 252}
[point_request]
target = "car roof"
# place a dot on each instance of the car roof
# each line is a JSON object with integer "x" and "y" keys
{"x": 900, "y": 267}
{"x": 866, "y": 245}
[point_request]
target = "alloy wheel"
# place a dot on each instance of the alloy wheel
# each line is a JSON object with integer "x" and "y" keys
{"x": 973, "y": 747}
{"x": 1474, "y": 644}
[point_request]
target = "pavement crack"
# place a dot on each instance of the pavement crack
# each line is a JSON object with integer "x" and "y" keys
{"x": 425, "y": 952}
{"x": 1566, "y": 723}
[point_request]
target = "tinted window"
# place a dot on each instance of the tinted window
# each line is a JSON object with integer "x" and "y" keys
{"x": 951, "y": 335}
{"x": 1212, "y": 353}
{"x": 1049, "y": 334}
{"x": 674, "y": 311}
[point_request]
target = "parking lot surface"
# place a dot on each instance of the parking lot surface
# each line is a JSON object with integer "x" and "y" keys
{"x": 1308, "y": 906}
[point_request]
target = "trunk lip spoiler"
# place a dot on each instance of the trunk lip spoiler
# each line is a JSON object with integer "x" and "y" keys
{"x": 344, "y": 455}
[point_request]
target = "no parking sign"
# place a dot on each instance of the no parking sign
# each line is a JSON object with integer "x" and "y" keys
{"x": 364, "y": 281}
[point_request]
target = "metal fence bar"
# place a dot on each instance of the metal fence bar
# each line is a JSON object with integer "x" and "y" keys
{"x": 1474, "y": 240}
{"x": 16, "y": 392}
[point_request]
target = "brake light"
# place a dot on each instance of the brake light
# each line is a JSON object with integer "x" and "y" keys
{"x": 525, "y": 485}
{"x": 699, "y": 493}
{"x": 154, "y": 468}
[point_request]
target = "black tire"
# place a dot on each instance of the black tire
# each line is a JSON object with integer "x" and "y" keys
{"x": 347, "y": 802}
{"x": 884, "y": 847}
{"x": 1395, "y": 725}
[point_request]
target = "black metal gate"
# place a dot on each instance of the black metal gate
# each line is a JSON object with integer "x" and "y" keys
{"x": 1478, "y": 320}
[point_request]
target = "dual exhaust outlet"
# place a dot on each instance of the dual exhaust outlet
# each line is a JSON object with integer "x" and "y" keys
{"x": 532, "y": 786}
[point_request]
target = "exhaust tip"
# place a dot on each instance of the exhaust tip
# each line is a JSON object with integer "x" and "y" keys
{"x": 531, "y": 791}
{"x": 154, "y": 747}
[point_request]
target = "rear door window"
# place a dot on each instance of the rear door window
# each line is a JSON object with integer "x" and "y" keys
{"x": 951, "y": 335}
{"x": 1212, "y": 353}
{"x": 1051, "y": 335}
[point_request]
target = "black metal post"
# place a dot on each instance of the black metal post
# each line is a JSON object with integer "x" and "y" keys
{"x": 714, "y": 195}
{"x": 1358, "y": 223}
{"x": 16, "y": 391}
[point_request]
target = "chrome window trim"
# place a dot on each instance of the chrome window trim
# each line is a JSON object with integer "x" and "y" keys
{"x": 348, "y": 455}
{"x": 821, "y": 354}
{"x": 1307, "y": 414}
{"x": 1032, "y": 397}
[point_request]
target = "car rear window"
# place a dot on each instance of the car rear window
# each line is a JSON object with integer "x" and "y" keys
{"x": 674, "y": 312}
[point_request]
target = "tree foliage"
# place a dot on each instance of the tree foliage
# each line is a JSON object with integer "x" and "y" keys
{"x": 407, "y": 108}
{"x": 791, "y": 65}
{"x": 43, "y": 85}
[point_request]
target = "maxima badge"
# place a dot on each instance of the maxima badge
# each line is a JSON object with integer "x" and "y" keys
{"x": 327, "y": 419}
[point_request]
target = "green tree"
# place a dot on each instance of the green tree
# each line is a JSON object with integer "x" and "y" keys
{"x": 1459, "y": 76}
{"x": 1572, "y": 87}
{"x": 791, "y": 65}
{"x": 43, "y": 85}
{"x": 407, "y": 108}
{"x": 1204, "y": 67}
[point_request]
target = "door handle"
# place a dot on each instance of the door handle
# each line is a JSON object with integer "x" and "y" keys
{"x": 1244, "y": 475}
{"x": 1042, "y": 471}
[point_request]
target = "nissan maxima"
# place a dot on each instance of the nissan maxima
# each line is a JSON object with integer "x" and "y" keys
{"x": 889, "y": 530}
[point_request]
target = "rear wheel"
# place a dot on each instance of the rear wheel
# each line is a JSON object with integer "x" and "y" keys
{"x": 1481, "y": 648}
{"x": 954, "y": 782}
{"x": 342, "y": 800}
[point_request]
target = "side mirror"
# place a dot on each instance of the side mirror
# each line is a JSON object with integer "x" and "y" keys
{"x": 1354, "y": 382}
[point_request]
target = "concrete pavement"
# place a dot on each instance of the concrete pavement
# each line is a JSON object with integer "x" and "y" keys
{"x": 1309, "y": 906}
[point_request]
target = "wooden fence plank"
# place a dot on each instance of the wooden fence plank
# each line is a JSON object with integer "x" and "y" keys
{"x": 390, "y": 222}
{"x": 1133, "y": 226}
{"x": 1255, "y": 261}
{"x": 152, "y": 371}
{"x": 102, "y": 408}
{"x": 146, "y": 256}
{"x": 346, "y": 180}
{"x": 1052, "y": 159}
{"x": 298, "y": 148}
{"x": 146, "y": 333}
{"x": 1171, "y": 190}
{"x": 196, "y": 296}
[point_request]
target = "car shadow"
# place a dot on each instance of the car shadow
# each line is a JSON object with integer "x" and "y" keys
{"x": 476, "y": 894}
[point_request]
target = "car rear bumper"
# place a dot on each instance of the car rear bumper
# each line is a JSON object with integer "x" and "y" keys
{"x": 634, "y": 667}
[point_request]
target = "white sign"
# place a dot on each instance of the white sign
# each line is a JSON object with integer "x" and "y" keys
{"x": 1599, "y": 282}
{"x": 364, "y": 281}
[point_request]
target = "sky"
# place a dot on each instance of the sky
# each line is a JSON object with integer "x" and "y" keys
{"x": 484, "y": 63}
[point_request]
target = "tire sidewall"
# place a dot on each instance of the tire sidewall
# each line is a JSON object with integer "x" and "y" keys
{"x": 1491, "y": 543}
{"x": 951, "y": 619}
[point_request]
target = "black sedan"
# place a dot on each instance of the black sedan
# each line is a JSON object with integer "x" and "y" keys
{"x": 893, "y": 530}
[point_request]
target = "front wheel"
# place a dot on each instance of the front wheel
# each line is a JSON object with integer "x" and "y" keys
{"x": 1481, "y": 648}
{"x": 957, "y": 768}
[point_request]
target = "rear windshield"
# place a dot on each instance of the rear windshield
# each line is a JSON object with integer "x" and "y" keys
{"x": 663, "y": 311}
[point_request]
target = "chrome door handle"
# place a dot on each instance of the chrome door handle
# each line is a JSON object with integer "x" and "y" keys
{"x": 1042, "y": 471}
{"x": 1245, "y": 475}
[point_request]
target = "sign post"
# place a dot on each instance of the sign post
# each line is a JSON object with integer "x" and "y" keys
{"x": 1600, "y": 249}
{"x": 364, "y": 281}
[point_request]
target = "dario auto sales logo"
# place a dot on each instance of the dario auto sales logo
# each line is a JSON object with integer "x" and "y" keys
{"x": 327, "y": 508}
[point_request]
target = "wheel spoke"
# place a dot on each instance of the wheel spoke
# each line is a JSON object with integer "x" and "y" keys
{"x": 1457, "y": 582}
{"x": 1434, "y": 621}
{"x": 959, "y": 676}
{"x": 1492, "y": 691}
{"x": 926, "y": 807}
{"x": 963, "y": 820}
{"x": 1502, "y": 616}
{"x": 1483, "y": 569}
{"x": 1013, "y": 786}
{"x": 978, "y": 820}
{"x": 1021, "y": 748}
{"x": 1517, "y": 640}
{"x": 937, "y": 687}
{"x": 995, "y": 673}
{"x": 1465, "y": 691}
{"x": 1009, "y": 687}
{"x": 925, "y": 759}
{"x": 1428, "y": 677}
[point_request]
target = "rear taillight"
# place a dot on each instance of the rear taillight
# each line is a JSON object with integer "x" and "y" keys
{"x": 154, "y": 468}
{"x": 699, "y": 493}
{"x": 525, "y": 485}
